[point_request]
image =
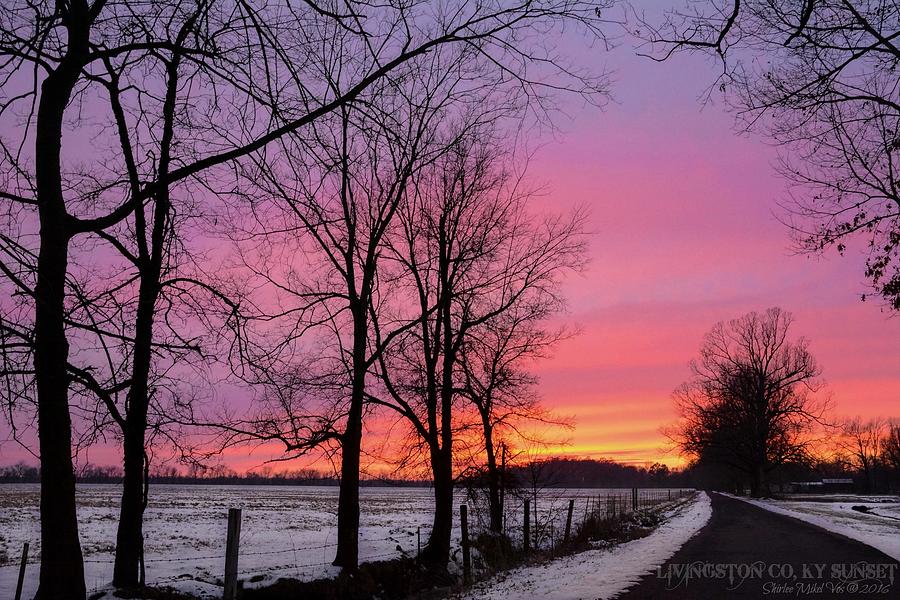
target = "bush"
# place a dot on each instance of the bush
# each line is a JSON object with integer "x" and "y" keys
{"x": 496, "y": 550}
{"x": 387, "y": 580}
{"x": 615, "y": 529}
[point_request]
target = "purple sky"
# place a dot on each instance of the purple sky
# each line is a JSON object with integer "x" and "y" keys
{"x": 682, "y": 210}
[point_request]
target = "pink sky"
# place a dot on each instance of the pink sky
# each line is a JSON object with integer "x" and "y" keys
{"x": 686, "y": 235}
{"x": 682, "y": 210}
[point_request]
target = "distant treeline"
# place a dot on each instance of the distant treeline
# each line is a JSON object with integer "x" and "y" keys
{"x": 593, "y": 473}
{"x": 555, "y": 472}
{"x": 24, "y": 473}
{"x": 547, "y": 473}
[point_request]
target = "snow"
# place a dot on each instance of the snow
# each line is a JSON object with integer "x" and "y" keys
{"x": 286, "y": 531}
{"x": 601, "y": 573}
{"x": 879, "y": 527}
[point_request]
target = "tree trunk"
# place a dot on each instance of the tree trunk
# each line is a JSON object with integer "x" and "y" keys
{"x": 62, "y": 566}
{"x": 437, "y": 551}
{"x": 347, "y": 554}
{"x": 495, "y": 509}
{"x": 128, "y": 571}
{"x": 869, "y": 484}
{"x": 130, "y": 536}
{"x": 758, "y": 482}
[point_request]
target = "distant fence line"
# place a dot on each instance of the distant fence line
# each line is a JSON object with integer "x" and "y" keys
{"x": 544, "y": 528}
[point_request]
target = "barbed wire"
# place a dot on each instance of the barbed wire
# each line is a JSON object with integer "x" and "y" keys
{"x": 264, "y": 571}
{"x": 596, "y": 506}
{"x": 36, "y": 559}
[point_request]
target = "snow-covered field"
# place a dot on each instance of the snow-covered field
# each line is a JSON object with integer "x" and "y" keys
{"x": 285, "y": 532}
{"x": 601, "y": 573}
{"x": 878, "y": 527}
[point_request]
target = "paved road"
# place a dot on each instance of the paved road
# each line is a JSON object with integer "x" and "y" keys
{"x": 748, "y": 552}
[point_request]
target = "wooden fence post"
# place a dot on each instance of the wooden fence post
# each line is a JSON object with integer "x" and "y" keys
{"x": 552, "y": 537}
{"x": 418, "y": 544}
{"x": 569, "y": 521}
{"x": 232, "y": 543}
{"x": 464, "y": 526}
{"x": 22, "y": 571}
{"x": 503, "y": 484}
{"x": 526, "y": 526}
{"x": 143, "y": 572}
{"x": 634, "y": 498}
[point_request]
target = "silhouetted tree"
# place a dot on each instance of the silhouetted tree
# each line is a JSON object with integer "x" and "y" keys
{"x": 891, "y": 448}
{"x": 334, "y": 199}
{"x": 658, "y": 473}
{"x": 152, "y": 248}
{"x": 494, "y": 376}
{"x": 111, "y": 304}
{"x": 751, "y": 403}
{"x": 469, "y": 251}
{"x": 861, "y": 441}
{"x": 259, "y": 85}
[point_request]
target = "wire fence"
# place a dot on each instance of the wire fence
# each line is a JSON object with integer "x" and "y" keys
{"x": 548, "y": 514}
{"x": 194, "y": 570}
{"x": 549, "y": 511}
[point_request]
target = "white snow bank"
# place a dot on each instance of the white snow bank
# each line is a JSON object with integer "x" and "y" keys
{"x": 602, "y": 573}
{"x": 878, "y": 528}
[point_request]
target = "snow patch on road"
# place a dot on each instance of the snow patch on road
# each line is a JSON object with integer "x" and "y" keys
{"x": 600, "y": 573}
{"x": 878, "y": 528}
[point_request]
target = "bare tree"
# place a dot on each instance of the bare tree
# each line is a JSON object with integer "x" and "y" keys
{"x": 818, "y": 77}
{"x": 891, "y": 446}
{"x": 72, "y": 68}
{"x": 337, "y": 207}
{"x": 752, "y": 401}
{"x": 343, "y": 201}
{"x": 862, "y": 443}
{"x": 151, "y": 250}
{"x": 494, "y": 377}
{"x": 470, "y": 250}
{"x": 110, "y": 309}
{"x": 260, "y": 87}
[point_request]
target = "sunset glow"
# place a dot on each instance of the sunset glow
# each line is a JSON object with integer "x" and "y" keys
{"x": 449, "y": 299}
{"x": 685, "y": 233}
{"x": 684, "y": 214}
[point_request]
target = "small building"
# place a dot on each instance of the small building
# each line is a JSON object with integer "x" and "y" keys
{"x": 828, "y": 485}
{"x": 837, "y": 484}
{"x": 804, "y": 487}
